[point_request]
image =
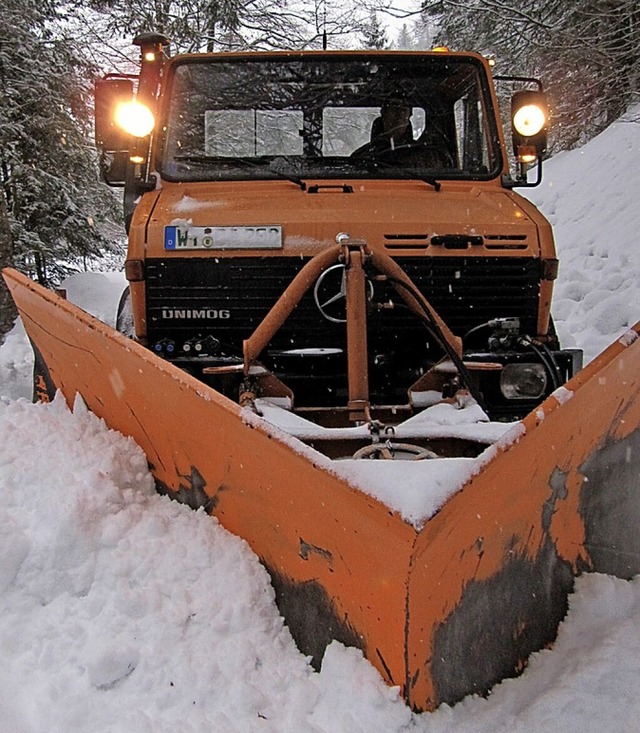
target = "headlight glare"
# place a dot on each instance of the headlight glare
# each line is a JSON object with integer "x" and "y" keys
{"x": 134, "y": 118}
{"x": 529, "y": 120}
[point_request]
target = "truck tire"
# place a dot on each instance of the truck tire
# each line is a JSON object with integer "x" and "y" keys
{"x": 124, "y": 317}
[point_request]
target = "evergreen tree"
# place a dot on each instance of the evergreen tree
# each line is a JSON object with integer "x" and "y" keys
{"x": 586, "y": 52}
{"x": 404, "y": 42}
{"x": 58, "y": 214}
{"x": 228, "y": 25}
{"x": 7, "y": 308}
{"x": 374, "y": 35}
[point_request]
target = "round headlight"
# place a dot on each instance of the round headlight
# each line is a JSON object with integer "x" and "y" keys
{"x": 523, "y": 381}
{"x": 529, "y": 120}
{"x": 134, "y": 118}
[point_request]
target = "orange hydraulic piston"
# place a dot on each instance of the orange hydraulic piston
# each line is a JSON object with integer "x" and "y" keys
{"x": 357, "y": 337}
{"x": 284, "y": 306}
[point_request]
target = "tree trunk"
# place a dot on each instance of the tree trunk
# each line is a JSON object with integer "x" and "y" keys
{"x": 8, "y": 311}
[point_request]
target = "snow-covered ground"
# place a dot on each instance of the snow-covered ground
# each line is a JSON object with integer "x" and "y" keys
{"x": 123, "y": 612}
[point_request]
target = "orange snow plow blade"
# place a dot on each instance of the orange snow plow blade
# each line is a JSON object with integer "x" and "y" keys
{"x": 443, "y": 609}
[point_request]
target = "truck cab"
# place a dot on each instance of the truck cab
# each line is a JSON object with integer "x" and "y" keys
{"x": 335, "y": 230}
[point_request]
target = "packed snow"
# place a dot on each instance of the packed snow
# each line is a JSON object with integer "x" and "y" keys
{"x": 121, "y": 611}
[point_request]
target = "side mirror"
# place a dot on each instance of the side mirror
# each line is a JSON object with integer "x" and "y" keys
{"x": 111, "y": 140}
{"x": 529, "y": 119}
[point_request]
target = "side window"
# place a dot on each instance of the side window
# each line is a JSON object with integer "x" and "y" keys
{"x": 344, "y": 129}
{"x": 418, "y": 122}
{"x": 251, "y": 132}
{"x": 470, "y": 133}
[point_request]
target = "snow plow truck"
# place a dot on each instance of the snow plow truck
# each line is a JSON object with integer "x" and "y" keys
{"x": 337, "y": 340}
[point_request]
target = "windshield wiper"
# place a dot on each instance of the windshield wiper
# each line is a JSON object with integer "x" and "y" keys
{"x": 244, "y": 162}
{"x": 373, "y": 165}
{"x": 283, "y": 174}
{"x": 289, "y": 177}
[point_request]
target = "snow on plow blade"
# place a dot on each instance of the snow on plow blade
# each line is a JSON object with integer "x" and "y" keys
{"x": 442, "y": 610}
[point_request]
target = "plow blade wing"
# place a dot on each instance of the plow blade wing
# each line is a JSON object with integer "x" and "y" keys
{"x": 443, "y": 609}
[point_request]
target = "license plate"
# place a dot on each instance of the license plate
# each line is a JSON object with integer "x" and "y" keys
{"x": 182, "y": 237}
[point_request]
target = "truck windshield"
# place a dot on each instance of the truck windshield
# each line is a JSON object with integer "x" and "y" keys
{"x": 322, "y": 116}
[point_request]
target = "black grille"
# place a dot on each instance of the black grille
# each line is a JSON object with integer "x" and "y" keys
{"x": 468, "y": 291}
{"x": 198, "y": 293}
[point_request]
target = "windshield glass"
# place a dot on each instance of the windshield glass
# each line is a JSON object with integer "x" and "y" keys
{"x": 366, "y": 116}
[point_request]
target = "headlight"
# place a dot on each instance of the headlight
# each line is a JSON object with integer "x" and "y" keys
{"x": 134, "y": 118}
{"x": 523, "y": 381}
{"x": 529, "y": 120}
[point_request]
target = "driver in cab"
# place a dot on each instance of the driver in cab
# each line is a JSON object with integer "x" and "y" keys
{"x": 390, "y": 131}
{"x": 392, "y": 141}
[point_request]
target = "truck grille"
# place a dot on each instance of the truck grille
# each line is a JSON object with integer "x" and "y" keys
{"x": 228, "y": 297}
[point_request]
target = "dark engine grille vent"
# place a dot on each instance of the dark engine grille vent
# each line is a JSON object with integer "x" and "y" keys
{"x": 229, "y": 296}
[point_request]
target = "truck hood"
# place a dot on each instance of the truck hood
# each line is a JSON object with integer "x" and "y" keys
{"x": 396, "y": 215}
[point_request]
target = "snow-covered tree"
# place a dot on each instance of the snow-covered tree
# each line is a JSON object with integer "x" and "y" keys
{"x": 404, "y": 41}
{"x": 58, "y": 214}
{"x": 374, "y": 35}
{"x": 7, "y": 308}
{"x": 224, "y": 25}
{"x": 586, "y": 52}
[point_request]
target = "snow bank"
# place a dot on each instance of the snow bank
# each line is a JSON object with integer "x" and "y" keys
{"x": 16, "y": 364}
{"x": 97, "y": 293}
{"x": 590, "y": 196}
{"x": 124, "y": 611}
